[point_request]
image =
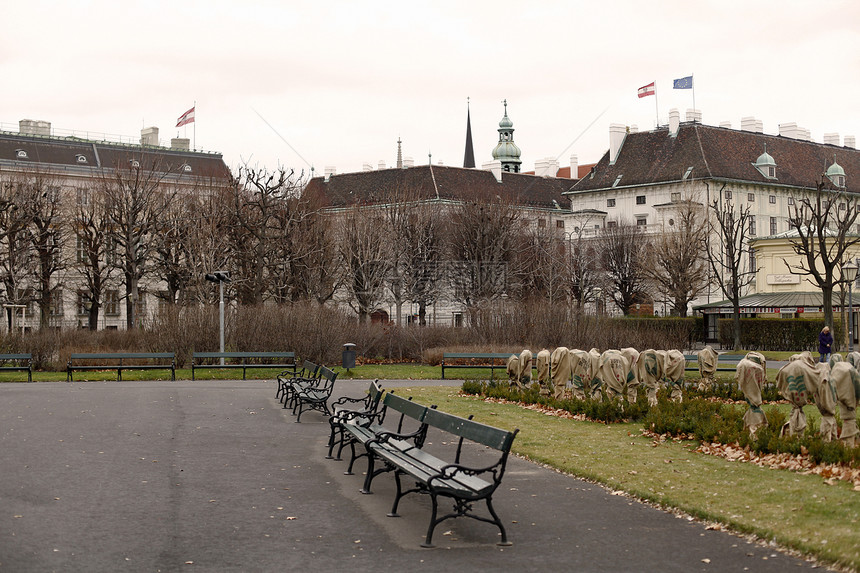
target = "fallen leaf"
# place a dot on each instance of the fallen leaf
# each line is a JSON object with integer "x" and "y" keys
{"x": 706, "y": 560}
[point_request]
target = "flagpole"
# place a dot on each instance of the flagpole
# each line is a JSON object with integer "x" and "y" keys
{"x": 194, "y": 147}
{"x": 693, "y": 83}
{"x": 656, "y": 107}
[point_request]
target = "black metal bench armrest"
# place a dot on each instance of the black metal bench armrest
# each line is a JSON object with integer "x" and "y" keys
{"x": 383, "y": 437}
{"x": 347, "y": 400}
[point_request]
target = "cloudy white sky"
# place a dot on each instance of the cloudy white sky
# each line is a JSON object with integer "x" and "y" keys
{"x": 340, "y": 81}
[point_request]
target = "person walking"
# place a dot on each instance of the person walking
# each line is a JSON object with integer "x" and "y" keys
{"x": 825, "y": 344}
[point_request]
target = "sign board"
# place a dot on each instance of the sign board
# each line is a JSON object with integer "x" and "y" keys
{"x": 783, "y": 279}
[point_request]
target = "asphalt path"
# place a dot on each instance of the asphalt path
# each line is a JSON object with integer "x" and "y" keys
{"x": 215, "y": 476}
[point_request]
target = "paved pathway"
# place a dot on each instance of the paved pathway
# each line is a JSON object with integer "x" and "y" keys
{"x": 214, "y": 476}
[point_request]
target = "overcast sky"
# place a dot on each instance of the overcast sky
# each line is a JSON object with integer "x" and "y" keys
{"x": 339, "y": 82}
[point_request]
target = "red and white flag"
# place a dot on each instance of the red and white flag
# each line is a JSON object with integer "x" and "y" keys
{"x": 643, "y": 91}
{"x": 188, "y": 117}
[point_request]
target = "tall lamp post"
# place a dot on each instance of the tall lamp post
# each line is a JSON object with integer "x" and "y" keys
{"x": 849, "y": 273}
{"x": 220, "y": 277}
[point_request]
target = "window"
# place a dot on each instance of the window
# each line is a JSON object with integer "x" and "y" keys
{"x": 596, "y": 227}
{"x": 83, "y": 303}
{"x": 82, "y": 197}
{"x": 110, "y": 252}
{"x": 80, "y": 158}
{"x": 542, "y": 223}
{"x": 80, "y": 251}
{"x": 751, "y": 197}
{"x": 791, "y": 200}
{"x": 186, "y": 168}
{"x": 458, "y": 319}
{"x": 640, "y": 199}
{"x": 771, "y": 172}
{"x": 134, "y": 163}
{"x": 20, "y": 154}
{"x": 676, "y": 197}
{"x": 611, "y": 224}
{"x": 617, "y": 181}
{"x": 752, "y": 226}
{"x": 753, "y": 267}
{"x": 111, "y": 303}
{"x": 641, "y": 221}
{"x": 140, "y": 308}
{"x": 773, "y": 225}
{"x": 610, "y": 202}
{"x": 559, "y": 224}
{"x": 57, "y": 303}
{"x": 771, "y": 199}
{"x": 842, "y": 206}
{"x": 728, "y": 195}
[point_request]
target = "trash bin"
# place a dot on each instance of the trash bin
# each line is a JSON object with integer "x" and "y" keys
{"x": 348, "y": 355}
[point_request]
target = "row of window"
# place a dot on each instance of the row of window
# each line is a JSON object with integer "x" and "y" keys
{"x": 82, "y": 159}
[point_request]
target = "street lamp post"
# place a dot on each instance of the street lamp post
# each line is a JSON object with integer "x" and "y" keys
{"x": 220, "y": 277}
{"x": 849, "y": 273}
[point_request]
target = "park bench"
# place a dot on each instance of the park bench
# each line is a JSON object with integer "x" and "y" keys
{"x": 120, "y": 361}
{"x": 314, "y": 395}
{"x": 287, "y": 379}
{"x": 464, "y": 483}
{"x": 725, "y": 362}
{"x": 491, "y": 360}
{"x": 243, "y": 360}
{"x": 348, "y": 410}
{"x": 17, "y": 363}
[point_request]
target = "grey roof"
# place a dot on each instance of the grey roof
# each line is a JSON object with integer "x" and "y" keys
{"x": 770, "y": 300}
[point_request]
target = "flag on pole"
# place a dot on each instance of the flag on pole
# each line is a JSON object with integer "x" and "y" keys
{"x": 186, "y": 118}
{"x": 683, "y": 83}
{"x": 647, "y": 90}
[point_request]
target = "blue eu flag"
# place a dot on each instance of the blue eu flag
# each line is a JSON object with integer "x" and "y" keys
{"x": 683, "y": 83}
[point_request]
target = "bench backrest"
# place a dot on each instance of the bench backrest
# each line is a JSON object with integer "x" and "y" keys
{"x": 476, "y": 355}
{"x": 16, "y": 356}
{"x": 495, "y": 438}
{"x": 121, "y": 355}
{"x": 290, "y": 355}
{"x": 309, "y": 369}
{"x": 328, "y": 374}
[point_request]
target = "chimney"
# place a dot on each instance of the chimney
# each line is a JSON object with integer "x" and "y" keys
{"x": 694, "y": 115}
{"x": 831, "y": 138}
{"x": 542, "y": 167}
{"x": 726, "y": 124}
{"x": 367, "y": 167}
{"x": 329, "y": 171}
{"x": 674, "y": 121}
{"x": 34, "y": 127}
{"x": 633, "y": 128}
{"x": 495, "y": 167}
{"x": 788, "y": 130}
{"x": 849, "y": 141}
{"x": 149, "y": 136}
{"x": 804, "y": 134}
{"x": 574, "y": 167}
{"x": 752, "y": 124}
{"x": 381, "y": 164}
{"x": 617, "y": 133}
{"x": 408, "y": 162}
{"x": 180, "y": 143}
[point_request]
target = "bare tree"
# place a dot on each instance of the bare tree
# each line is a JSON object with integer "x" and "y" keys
{"x": 422, "y": 246}
{"x": 136, "y": 200}
{"x": 822, "y": 222}
{"x": 482, "y": 242}
{"x": 265, "y": 214}
{"x": 91, "y": 229}
{"x": 365, "y": 253}
{"x": 315, "y": 271}
{"x": 678, "y": 265}
{"x": 624, "y": 249}
{"x": 729, "y": 231}
{"x": 173, "y": 243}
{"x": 543, "y": 266}
{"x": 15, "y": 218}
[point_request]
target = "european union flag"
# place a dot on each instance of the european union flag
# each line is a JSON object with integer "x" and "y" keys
{"x": 683, "y": 83}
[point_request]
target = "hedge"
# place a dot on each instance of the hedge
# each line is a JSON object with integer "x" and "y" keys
{"x": 778, "y": 334}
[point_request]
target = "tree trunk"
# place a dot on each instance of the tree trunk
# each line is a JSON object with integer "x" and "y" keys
{"x": 93, "y": 318}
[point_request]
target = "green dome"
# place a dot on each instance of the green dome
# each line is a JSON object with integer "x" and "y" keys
{"x": 835, "y": 170}
{"x": 765, "y": 160}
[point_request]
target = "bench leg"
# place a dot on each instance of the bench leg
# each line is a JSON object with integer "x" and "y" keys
{"x": 365, "y": 489}
{"x": 498, "y": 522}
{"x": 428, "y": 542}
{"x": 393, "y": 512}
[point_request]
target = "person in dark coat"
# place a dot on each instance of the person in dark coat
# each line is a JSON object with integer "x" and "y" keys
{"x": 825, "y": 344}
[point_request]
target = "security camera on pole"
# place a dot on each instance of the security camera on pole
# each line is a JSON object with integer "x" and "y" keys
{"x": 220, "y": 277}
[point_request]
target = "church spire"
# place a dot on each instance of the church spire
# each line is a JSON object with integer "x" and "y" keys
{"x": 469, "y": 157}
{"x": 399, "y": 155}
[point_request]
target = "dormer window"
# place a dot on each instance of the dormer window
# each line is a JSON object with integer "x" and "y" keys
{"x": 617, "y": 180}
{"x": 80, "y": 158}
{"x": 186, "y": 168}
{"x": 21, "y": 154}
{"x": 687, "y": 173}
{"x": 134, "y": 163}
{"x": 836, "y": 174}
{"x": 766, "y": 165}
